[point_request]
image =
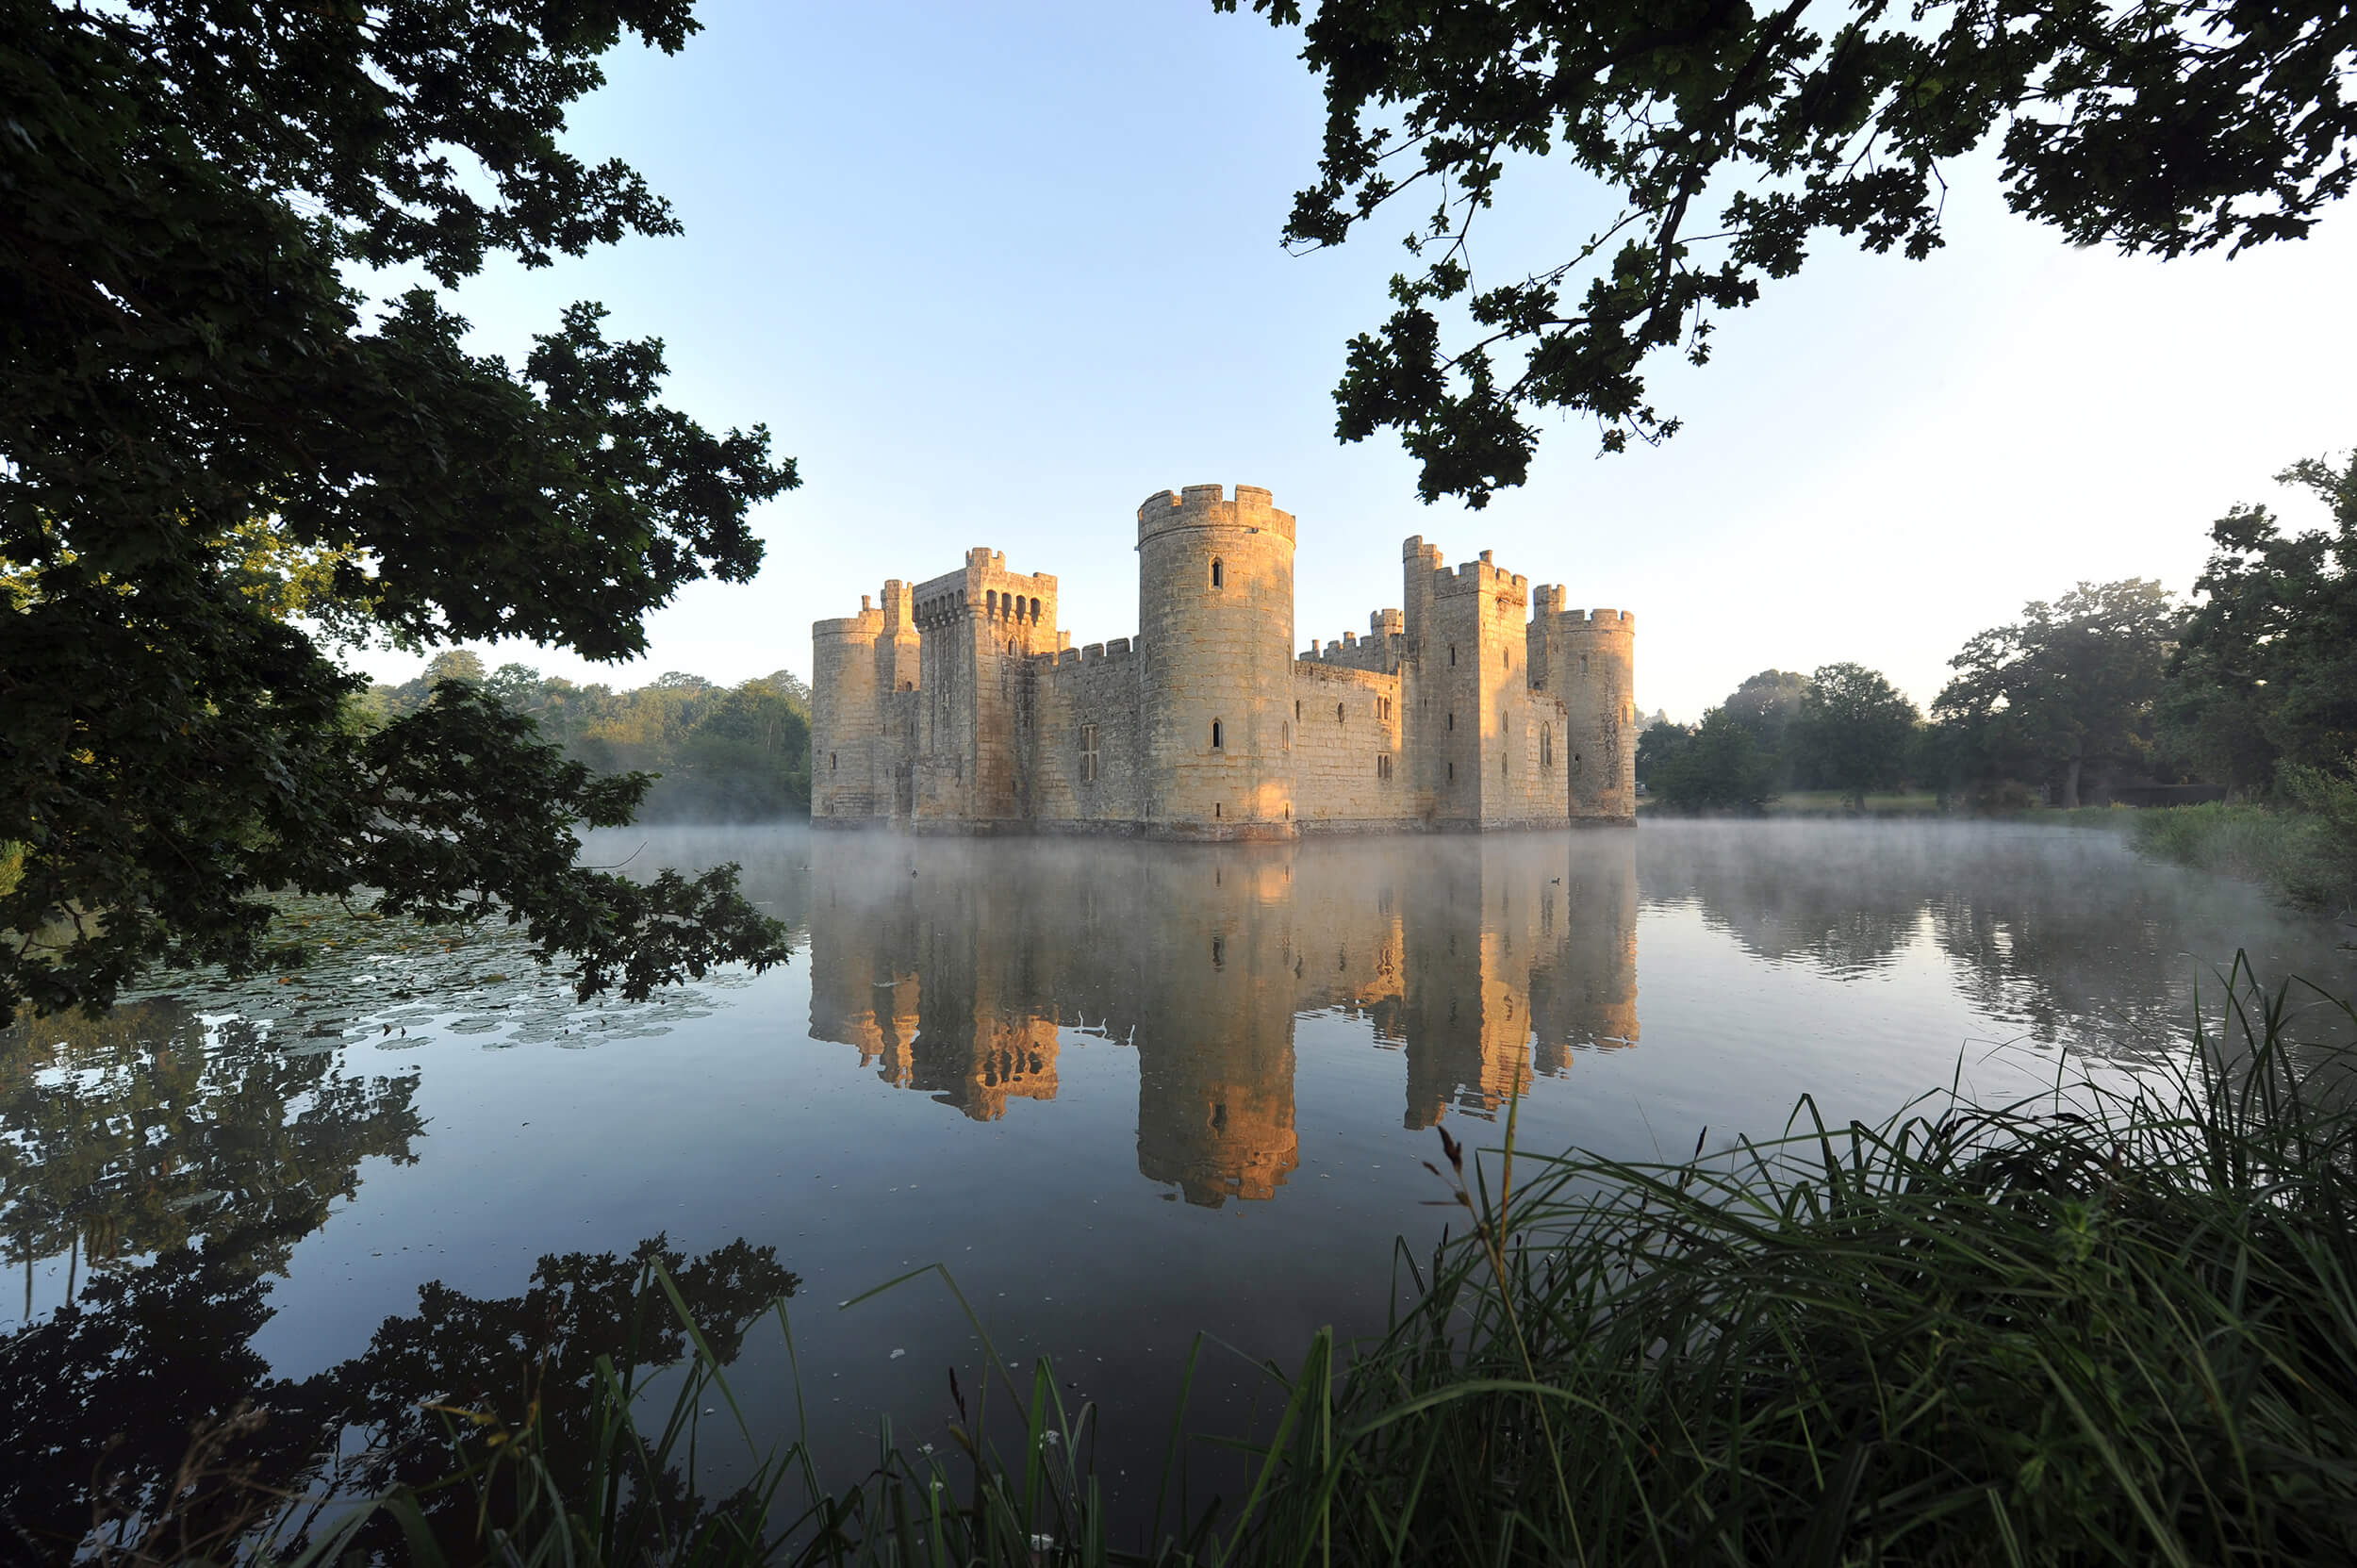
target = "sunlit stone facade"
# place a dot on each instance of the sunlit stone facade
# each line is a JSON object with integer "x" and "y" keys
{"x": 956, "y": 704}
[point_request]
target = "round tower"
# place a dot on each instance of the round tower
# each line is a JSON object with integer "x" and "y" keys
{"x": 845, "y": 722}
{"x": 1598, "y": 660}
{"x": 1215, "y": 620}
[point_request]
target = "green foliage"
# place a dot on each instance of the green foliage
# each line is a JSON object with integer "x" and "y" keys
{"x": 717, "y": 753}
{"x": 2071, "y": 687}
{"x": 1767, "y": 705}
{"x": 2267, "y": 668}
{"x": 1720, "y": 767}
{"x": 1854, "y": 731}
{"x": 2163, "y": 126}
{"x": 2304, "y": 846}
{"x": 201, "y": 438}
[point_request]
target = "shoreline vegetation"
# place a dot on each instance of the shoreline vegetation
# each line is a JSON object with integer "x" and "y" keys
{"x": 2117, "y": 1321}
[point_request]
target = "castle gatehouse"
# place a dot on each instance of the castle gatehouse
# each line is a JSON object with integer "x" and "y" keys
{"x": 956, "y": 705}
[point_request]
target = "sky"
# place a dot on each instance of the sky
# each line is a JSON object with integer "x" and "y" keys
{"x": 992, "y": 275}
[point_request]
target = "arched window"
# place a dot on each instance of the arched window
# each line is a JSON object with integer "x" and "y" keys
{"x": 1219, "y": 574}
{"x": 990, "y": 603}
{"x": 1034, "y": 609}
{"x": 1216, "y": 735}
{"x": 1338, "y": 713}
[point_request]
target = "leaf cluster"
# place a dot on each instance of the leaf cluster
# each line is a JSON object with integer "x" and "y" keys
{"x": 202, "y": 434}
{"x": 2163, "y": 126}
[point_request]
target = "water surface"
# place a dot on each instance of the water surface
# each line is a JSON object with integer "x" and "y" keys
{"x": 1124, "y": 1093}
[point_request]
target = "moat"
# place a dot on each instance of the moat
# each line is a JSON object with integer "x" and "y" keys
{"x": 1123, "y": 1091}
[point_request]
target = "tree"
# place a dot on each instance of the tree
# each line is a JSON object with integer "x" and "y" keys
{"x": 2159, "y": 127}
{"x": 2071, "y": 685}
{"x": 1657, "y": 742}
{"x": 1767, "y": 705}
{"x": 2265, "y": 671}
{"x": 1721, "y": 768}
{"x": 202, "y": 437}
{"x": 1855, "y": 730}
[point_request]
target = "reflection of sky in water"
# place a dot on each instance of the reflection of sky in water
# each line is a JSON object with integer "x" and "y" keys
{"x": 1125, "y": 1092}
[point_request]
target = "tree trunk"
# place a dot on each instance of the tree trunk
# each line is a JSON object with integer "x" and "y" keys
{"x": 2071, "y": 785}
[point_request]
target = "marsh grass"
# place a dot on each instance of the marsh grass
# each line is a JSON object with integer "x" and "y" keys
{"x": 2303, "y": 845}
{"x": 2115, "y": 1323}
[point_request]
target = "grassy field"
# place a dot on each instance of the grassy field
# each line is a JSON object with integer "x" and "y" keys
{"x": 2105, "y": 1326}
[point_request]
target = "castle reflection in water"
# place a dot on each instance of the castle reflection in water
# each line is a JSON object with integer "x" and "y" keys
{"x": 953, "y": 967}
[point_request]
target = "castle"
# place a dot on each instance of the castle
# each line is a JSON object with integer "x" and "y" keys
{"x": 956, "y": 705}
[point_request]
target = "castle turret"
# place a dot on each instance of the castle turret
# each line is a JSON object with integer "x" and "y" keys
{"x": 1215, "y": 613}
{"x": 1591, "y": 667}
{"x": 846, "y": 721}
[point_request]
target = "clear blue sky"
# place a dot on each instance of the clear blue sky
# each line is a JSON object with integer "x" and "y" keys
{"x": 993, "y": 275}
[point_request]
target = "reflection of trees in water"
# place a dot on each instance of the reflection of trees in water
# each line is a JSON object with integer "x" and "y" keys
{"x": 138, "y": 1131}
{"x": 115, "y": 1383}
{"x": 952, "y": 966}
{"x": 2065, "y": 936}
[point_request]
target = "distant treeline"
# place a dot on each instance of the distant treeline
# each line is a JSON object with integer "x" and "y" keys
{"x": 726, "y": 753}
{"x": 2250, "y": 687}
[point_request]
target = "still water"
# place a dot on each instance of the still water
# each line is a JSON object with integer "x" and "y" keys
{"x": 1123, "y": 1093}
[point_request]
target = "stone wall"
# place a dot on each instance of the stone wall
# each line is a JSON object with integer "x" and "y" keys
{"x": 957, "y": 705}
{"x": 1092, "y": 686}
{"x": 1345, "y": 744}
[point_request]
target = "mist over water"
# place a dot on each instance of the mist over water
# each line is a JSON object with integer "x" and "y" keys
{"x": 1123, "y": 1091}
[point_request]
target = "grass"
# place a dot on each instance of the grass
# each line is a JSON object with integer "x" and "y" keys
{"x": 1832, "y": 802}
{"x": 2305, "y": 847}
{"x": 2113, "y": 1324}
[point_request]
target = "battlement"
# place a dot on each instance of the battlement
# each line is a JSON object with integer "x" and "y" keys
{"x": 1386, "y": 623}
{"x": 864, "y": 627}
{"x": 1610, "y": 623}
{"x": 1253, "y": 509}
{"x": 1480, "y": 576}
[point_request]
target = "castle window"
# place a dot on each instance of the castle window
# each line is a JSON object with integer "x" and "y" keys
{"x": 1034, "y": 609}
{"x": 1452, "y": 655}
{"x": 1575, "y": 761}
{"x": 831, "y": 762}
{"x": 1506, "y": 657}
{"x": 1338, "y": 713}
{"x": 990, "y": 603}
{"x": 1383, "y": 767}
{"x": 1546, "y": 746}
{"x": 1452, "y": 772}
{"x": 1219, "y": 574}
{"x": 1296, "y": 710}
{"x": 1501, "y": 766}
{"x": 1088, "y": 753}
{"x": 1452, "y": 720}
{"x": 1285, "y": 737}
{"x": 1583, "y": 664}
{"x": 1215, "y": 736}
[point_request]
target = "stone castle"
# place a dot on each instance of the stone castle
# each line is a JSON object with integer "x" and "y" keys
{"x": 956, "y": 705}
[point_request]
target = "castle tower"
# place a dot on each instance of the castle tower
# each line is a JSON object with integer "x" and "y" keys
{"x": 1591, "y": 668}
{"x": 846, "y": 721}
{"x": 1472, "y": 655}
{"x": 1215, "y": 617}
